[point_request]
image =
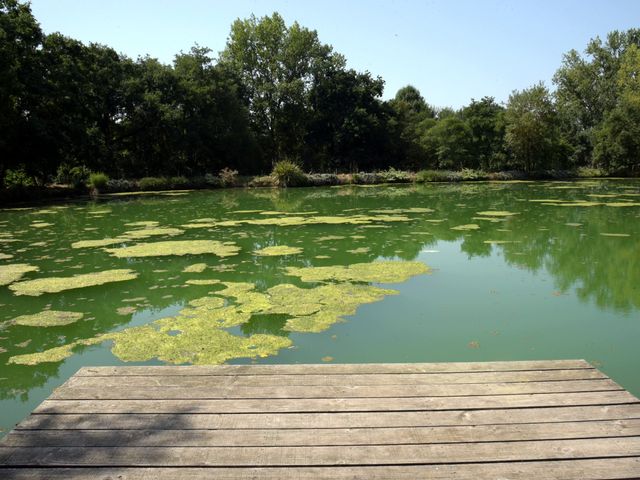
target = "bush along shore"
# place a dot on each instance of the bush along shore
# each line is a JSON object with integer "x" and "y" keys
{"x": 285, "y": 174}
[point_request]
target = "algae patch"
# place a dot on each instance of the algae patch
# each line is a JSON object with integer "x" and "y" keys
{"x": 497, "y": 213}
{"x": 466, "y": 227}
{"x": 58, "y": 284}
{"x": 380, "y": 272}
{"x": 278, "y": 250}
{"x": 195, "y": 268}
{"x": 14, "y": 272}
{"x": 48, "y": 318}
{"x": 176, "y": 247}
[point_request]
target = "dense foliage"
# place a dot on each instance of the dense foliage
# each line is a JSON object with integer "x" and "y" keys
{"x": 278, "y": 93}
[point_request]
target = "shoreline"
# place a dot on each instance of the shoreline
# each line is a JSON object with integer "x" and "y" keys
{"x": 123, "y": 187}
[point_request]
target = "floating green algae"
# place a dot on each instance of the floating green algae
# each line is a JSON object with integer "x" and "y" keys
{"x": 195, "y": 268}
{"x": 14, "y": 272}
{"x": 176, "y": 247}
{"x": 622, "y": 204}
{"x": 329, "y": 238}
{"x": 497, "y": 213}
{"x": 203, "y": 281}
{"x": 41, "y": 224}
{"x": 574, "y": 204}
{"x": 56, "y": 354}
{"x": 196, "y": 343}
{"x": 126, "y": 310}
{"x": 359, "y": 250}
{"x": 150, "y": 232}
{"x": 5, "y": 256}
{"x": 143, "y": 223}
{"x": 48, "y": 318}
{"x": 380, "y": 272}
{"x": 403, "y": 210}
{"x": 199, "y": 225}
{"x": 58, "y": 284}
{"x": 172, "y": 340}
{"x": 316, "y": 309}
{"x": 298, "y": 221}
{"x": 103, "y": 242}
{"x": 277, "y": 250}
{"x": 468, "y": 226}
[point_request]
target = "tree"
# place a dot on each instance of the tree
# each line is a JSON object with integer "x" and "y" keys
{"x": 213, "y": 124}
{"x": 485, "y": 119}
{"x": 451, "y": 139}
{"x": 350, "y": 125}
{"x": 587, "y": 90}
{"x": 532, "y": 133}
{"x": 617, "y": 140}
{"x": 413, "y": 116}
{"x": 20, "y": 38}
{"x": 277, "y": 67}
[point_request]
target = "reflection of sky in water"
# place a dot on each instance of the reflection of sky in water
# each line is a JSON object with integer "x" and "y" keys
{"x": 545, "y": 283}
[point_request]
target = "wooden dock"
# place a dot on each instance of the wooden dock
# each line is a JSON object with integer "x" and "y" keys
{"x": 508, "y": 420}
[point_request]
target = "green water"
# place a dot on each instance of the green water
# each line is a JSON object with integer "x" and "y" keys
{"x": 558, "y": 289}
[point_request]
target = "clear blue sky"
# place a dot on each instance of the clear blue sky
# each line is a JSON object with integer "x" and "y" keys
{"x": 451, "y": 50}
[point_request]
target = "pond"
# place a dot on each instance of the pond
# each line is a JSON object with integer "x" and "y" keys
{"x": 405, "y": 273}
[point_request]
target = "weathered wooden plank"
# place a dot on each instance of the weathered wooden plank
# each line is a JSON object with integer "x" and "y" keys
{"x": 190, "y": 419}
{"x": 313, "y": 456}
{"x": 196, "y": 386}
{"x": 152, "y": 399}
{"x": 600, "y": 469}
{"x": 323, "y": 369}
{"x": 166, "y": 388}
{"x": 322, "y": 436}
{"x": 339, "y": 380}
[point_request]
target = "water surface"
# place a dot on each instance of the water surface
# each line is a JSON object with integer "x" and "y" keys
{"x": 524, "y": 270}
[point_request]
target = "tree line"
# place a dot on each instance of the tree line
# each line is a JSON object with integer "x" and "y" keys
{"x": 276, "y": 92}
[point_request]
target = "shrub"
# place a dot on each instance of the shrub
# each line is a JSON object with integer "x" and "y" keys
{"x": 262, "y": 181}
{"x": 471, "y": 174}
{"x": 366, "y": 178}
{"x": 18, "y": 178}
{"x": 395, "y": 176}
{"x": 79, "y": 176}
{"x": 179, "y": 182}
{"x": 211, "y": 180}
{"x": 228, "y": 177}
{"x": 288, "y": 174}
{"x": 424, "y": 176}
{"x": 322, "y": 179}
{"x": 153, "y": 183}
{"x": 63, "y": 176}
{"x": 345, "y": 179}
{"x": 121, "y": 185}
{"x": 98, "y": 180}
{"x": 588, "y": 172}
{"x": 507, "y": 175}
